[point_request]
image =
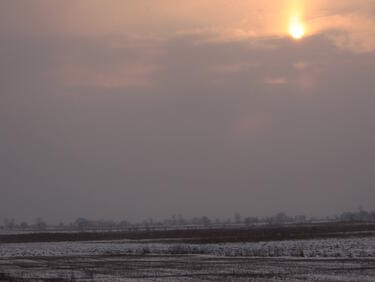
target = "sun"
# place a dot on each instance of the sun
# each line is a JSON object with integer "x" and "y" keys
{"x": 296, "y": 29}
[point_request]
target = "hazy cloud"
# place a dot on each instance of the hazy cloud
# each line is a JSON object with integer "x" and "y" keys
{"x": 131, "y": 109}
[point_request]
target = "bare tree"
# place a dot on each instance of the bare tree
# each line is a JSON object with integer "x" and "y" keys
{"x": 40, "y": 224}
{"x": 9, "y": 223}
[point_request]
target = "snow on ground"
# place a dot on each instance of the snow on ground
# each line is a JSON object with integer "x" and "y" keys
{"x": 187, "y": 268}
{"x": 324, "y": 248}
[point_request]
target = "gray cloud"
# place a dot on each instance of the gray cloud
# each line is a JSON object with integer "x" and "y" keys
{"x": 192, "y": 140}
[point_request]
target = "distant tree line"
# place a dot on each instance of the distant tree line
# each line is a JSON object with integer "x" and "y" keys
{"x": 11, "y": 224}
{"x": 360, "y": 216}
{"x": 178, "y": 221}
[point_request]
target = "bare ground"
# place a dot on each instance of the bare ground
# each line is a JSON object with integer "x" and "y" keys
{"x": 209, "y": 235}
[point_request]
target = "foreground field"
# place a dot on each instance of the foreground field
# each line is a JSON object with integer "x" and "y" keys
{"x": 321, "y": 248}
{"x": 185, "y": 268}
{"x": 348, "y": 254}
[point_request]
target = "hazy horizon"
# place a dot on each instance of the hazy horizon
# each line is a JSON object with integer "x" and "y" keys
{"x": 115, "y": 109}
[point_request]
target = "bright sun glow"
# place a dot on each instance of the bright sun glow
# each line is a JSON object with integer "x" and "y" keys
{"x": 296, "y": 29}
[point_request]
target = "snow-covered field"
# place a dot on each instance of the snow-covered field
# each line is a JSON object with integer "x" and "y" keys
{"x": 185, "y": 268}
{"x": 320, "y": 260}
{"x": 344, "y": 248}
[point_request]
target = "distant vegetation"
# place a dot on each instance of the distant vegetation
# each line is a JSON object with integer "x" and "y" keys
{"x": 179, "y": 221}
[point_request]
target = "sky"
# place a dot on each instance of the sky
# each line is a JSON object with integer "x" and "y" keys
{"x": 131, "y": 109}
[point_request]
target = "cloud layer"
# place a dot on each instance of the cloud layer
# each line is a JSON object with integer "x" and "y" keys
{"x": 131, "y": 109}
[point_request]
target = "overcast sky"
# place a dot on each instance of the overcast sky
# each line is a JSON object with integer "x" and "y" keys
{"x": 130, "y": 109}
